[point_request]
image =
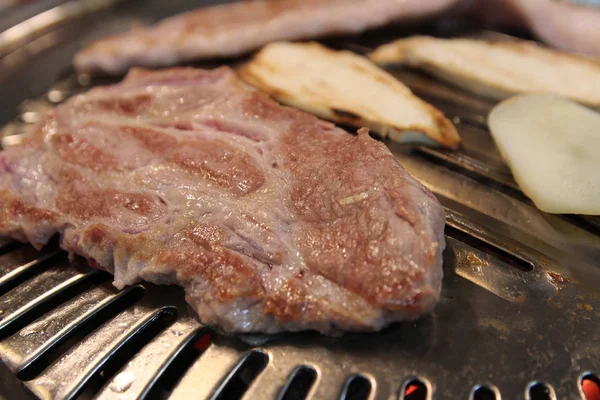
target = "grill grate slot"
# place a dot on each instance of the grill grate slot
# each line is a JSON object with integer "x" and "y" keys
{"x": 474, "y": 169}
{"x": 6, "y": 247}
{"x": 485, "y": 393}
{"x": 495, "y": 251}
{"x": 590, "y": 386}
{"x": 94, "y": 308}
{"x": 585, "y": 222}
{"x": 15, "y": 259}
{"x": 299, "y": 384}
{"x": 242, "y": 376}
{"x": 184, "y": 352}
{"x": 540, "y": 391}
{"x": 502, "y": 181}
{"x": 123, "y": 381}
{"x": 14, "y": 270}
{"x": 203, "y": 379}
{"x": 357, "y": 388}
{"x": 415, "y": 389}
{"x": 67, "y": 377}
{"x": 42, "y": 293}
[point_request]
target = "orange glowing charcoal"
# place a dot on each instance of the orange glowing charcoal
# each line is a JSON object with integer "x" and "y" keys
{"x": 203, "y": 342}
{"x": 591, "y": 389}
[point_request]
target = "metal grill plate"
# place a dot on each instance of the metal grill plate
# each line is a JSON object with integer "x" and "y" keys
{"x": 520, "y": 302}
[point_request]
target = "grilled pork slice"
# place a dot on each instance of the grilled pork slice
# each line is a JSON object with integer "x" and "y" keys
{"x": 236, "y": 28}
{"x": 498, "y": 69}
{"x": 270, "y": 218}
{"x": 562, "y": 24}
{"x": 344, "y": 87}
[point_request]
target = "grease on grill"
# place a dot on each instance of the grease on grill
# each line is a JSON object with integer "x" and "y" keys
{"x": 558, "y": 280}
{"x": 474, "y": 260}
{"x": 495, "y": 251}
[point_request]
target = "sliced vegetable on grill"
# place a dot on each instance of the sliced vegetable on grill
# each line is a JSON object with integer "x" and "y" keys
{"x": 347, "y": 88}
{"x": 552, "y": 146}
{"x": 498, "y": 69}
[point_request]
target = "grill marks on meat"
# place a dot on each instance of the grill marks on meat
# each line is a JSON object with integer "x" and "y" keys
{"x": 270, "y": 218}
{"x": 130, "y": 210}
{"x": 236, "y": 28}
{"x": 218, "y": 163}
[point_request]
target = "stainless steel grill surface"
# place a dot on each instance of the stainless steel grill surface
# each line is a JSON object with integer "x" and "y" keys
{"x": 518, "y": 319}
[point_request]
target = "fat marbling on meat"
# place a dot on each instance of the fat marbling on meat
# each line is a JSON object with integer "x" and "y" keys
{"x": 268, "y": 217}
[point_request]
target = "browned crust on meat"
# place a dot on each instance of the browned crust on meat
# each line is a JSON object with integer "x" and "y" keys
{"x": 100, "y": 235}
{"x": 76, "y": 150}
{"x": 218, "y": 163}
{"x": 86, "y": 204}
{"x": 153, "y": 140}
{"x": 197, "y": 253}
{"x": 126, "y": 106}
{"x": 12, "y": 208}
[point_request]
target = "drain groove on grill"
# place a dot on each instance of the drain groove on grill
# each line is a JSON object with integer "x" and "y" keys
{"x": 242, "y": 376}
{"x": 540, "y": 391}
{"x": 84, "y": 314}
{"x": 5, "y": 247}
{"x": 11, "y": 278}
{"x": 299, "y": 384}
{"x": 121, "y": 354}
{"x": 474, "y": 169}
{"x": 500, "y": 247}
{"x": 489, "y": 248}
{"x": 484, "y": 392}
{"x": 67, "y": 377}
{"x": 416, "y": 389}
{"x": 357, "y": 388}
{"x": 503, "y": 182}
{"x": 173, "y": 353}
{"x": 42, "y": 293}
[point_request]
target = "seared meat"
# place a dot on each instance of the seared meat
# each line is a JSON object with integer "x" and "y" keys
{"x": 236, "y": 28}
{"x": 562, "y": 24}
{"x": 270, "y": 218}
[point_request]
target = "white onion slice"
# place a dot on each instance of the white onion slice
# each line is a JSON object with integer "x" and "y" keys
{"x": 552, "y": 146}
